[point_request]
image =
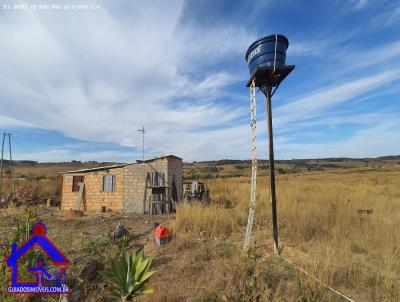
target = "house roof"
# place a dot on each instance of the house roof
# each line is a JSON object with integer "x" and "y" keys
{"x": 120, "y": 166}
{"x": 95, "y": 169}
{"x": 161, "y": 157}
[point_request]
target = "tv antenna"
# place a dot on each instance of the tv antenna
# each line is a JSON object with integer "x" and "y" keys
{"x": 142, "y": 130}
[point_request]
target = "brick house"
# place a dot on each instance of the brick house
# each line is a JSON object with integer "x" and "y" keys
{"x": 120, "y": 187}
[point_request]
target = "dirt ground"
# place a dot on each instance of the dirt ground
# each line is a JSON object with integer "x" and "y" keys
{"x": 321, "y": 229}
{"x": 84, "y": 239}
{"x": 87, "y": 238}
{"x": 189, "y": 268}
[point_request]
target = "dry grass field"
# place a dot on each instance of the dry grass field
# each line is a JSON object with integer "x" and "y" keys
{"x": 320, "y": 227}
{"x": 45, "y": 175}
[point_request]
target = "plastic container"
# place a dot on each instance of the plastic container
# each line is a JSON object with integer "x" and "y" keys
{"x": 262, "y": 52}
{"x": 162, "y": 235}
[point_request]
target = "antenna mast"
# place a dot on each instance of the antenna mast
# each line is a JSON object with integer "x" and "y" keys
{"x": 142, "y": 130}
{"x": 2, "y": 157}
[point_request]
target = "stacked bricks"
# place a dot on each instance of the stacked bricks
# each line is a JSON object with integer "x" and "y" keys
{"x": 94, "y": 198}
{"x": 175, "y": 173}
{"x": 134, "y": 186}
{"x": 135, "y": 177}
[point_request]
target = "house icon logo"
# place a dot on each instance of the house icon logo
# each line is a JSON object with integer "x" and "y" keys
{"x": 45, "y": 282}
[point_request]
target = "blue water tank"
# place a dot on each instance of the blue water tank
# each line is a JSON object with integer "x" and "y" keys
{"x": 262, "y": 52}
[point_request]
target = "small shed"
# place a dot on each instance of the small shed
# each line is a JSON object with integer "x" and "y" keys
{"x": 120, "y": 188}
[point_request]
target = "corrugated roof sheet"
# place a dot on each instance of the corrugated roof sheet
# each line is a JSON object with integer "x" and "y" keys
{"x": 95, "y": 169}
{"x": 161, "y": 157}
{"x": 119, "y": 166}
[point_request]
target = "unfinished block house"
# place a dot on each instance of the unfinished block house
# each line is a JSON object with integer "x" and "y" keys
{"x": 123, "y": 188}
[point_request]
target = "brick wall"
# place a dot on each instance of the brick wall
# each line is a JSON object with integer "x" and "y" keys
{"x": 129, "y": 188}
{"x": 134, "y": 181}
{"x": 134, "y": 184}
{"x": 175, "y": 173}
{"x": 94, "y": 198}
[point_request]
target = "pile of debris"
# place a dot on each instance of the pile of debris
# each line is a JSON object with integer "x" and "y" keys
{"x": 7, "y": 200}
{"x": 28, "y": 195}
{"x": 195, "y": 191}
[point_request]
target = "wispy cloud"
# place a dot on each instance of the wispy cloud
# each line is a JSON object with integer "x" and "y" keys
{"x": 66, "y": 155}
{"x": 388, "y": 17}
{"x": 9, "y": 122}
{"x": 130, "y": 72}
{"x": 370, "y": 142}
{"x": 326, "y": 97}
{"x": 385, "y": 53}
{"x": 98, "y": 76}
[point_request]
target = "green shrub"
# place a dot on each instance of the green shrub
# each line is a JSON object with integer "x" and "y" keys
{"x": 129, "y": 275}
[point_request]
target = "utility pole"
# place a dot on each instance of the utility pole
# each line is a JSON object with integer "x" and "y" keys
{"x": 267, "y": 91}
{"x": 142, "y": 130}
{"x": 11, "y": 165}
{"x": 1, "y": 173}
{"x": 2, "y": 163}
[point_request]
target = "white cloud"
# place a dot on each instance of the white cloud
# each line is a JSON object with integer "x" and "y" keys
{"x": 101, "y": 75}
{"x": 327, "y": 97}
{"x": 388, "y": 17}
{"x": 358, "y": 4}
{"x": 370, "y": 142}
{"x": 385, "y": 53}
{"x": 8, "y": 122}
{"x": 66, "y": 155}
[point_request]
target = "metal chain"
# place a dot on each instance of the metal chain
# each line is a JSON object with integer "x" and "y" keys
{"x": 253, "y": 126}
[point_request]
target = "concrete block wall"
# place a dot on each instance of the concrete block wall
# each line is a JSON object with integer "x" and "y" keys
{"x": 94, "y": 198}
{"x": 134, "y": 183}
{"x": 129, "y": 187}
{"x": 175, "y": 173}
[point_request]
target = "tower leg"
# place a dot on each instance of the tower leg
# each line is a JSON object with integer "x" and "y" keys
{"x": 267, "y": 92}
{"x": 1, "y": 168}
{"x": 12, "y": 168}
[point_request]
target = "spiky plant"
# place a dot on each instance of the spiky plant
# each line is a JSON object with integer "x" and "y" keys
{"x": 129, "y": 275}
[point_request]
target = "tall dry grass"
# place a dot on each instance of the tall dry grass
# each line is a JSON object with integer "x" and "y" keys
{"x": 47, "y": 186}
{"x": 213, "y": 221}
{"x": 318, "y": 215}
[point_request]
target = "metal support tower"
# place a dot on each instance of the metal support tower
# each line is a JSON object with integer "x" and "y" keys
{"x": 1, "y": 168}
{"x": 266, "y": 74}
{"x": 11, "y": 165}
{"x": 253, "y": 190}
{"x": 267, "y": 91}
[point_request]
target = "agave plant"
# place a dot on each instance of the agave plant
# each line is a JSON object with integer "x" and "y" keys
{"x": 129, "y": 274}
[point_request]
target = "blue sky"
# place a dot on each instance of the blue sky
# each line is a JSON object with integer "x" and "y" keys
{"x": 77, "y": 84}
